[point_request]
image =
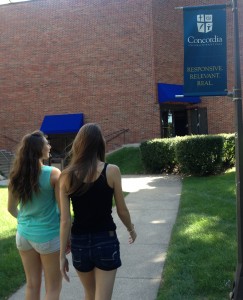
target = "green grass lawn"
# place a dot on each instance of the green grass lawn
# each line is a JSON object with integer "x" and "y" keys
{"x": 128, "y": 159}
{"x": 201, "y": 259}
{"x": 11, "y": 270}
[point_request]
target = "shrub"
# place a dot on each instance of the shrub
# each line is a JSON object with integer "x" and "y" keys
{"x": 196, "y": 155}
{"x": 158, "y": 154}
{"x": 200, "y": 154}
{"x": 228, "y": 150}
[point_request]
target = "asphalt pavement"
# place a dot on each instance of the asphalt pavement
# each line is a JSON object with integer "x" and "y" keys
{"x": 153, "y": 203}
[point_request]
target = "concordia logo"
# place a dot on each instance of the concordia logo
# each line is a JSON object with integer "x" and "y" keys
{"x": 205, "y": 25}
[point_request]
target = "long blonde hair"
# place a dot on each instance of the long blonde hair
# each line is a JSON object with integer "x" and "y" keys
{"x": 88, "y": 147}
{"x": 25, "y": 171}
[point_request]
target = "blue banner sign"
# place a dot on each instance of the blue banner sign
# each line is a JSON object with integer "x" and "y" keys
{"x": 205, "y": 62}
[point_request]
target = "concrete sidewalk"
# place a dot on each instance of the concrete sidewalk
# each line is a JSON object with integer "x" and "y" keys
{"x": 153, "y": 203}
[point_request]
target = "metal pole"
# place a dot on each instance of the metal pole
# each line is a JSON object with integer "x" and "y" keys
{"x": 237, "y": 293}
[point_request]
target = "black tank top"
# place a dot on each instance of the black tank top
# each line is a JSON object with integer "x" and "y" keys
{"x": 93, "y": 209}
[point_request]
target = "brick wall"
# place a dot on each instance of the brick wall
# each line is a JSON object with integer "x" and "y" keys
{"x": 69, "y": 56}
{"x": 99, "y": 57}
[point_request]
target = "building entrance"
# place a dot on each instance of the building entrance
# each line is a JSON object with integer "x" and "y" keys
{"x": 174, "y": 123}
{"x": 180, "y": 120}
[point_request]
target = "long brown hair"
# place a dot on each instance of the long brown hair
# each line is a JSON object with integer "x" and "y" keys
{"x": 88, "y": 146}
{"x": 25, "y": 171}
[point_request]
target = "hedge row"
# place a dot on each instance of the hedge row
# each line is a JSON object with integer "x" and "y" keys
{"x": 196, "y": 155}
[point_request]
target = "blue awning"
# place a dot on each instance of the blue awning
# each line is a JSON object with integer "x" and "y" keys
{"x": 56, "y": 124}
{"x": 167, "y": 93}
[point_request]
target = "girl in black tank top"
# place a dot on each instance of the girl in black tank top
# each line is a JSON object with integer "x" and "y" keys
{"x": 93, "y": 209}
{"x": 94, "y": 244}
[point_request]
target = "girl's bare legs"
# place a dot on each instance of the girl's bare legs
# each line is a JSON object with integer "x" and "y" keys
{"x": 53, "y": 277}
{"x": 33, "y": 269}
{"x": 104, "y": 284}
{"x": 98, "y": 284}
{"x": 88, "y": 281}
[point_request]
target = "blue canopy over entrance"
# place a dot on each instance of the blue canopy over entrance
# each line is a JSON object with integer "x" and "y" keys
{"x": 167, "y": 93}
{"x": 61, "y": 124}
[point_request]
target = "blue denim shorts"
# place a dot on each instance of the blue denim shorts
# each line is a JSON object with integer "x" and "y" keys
{"x": 100, "y": 250}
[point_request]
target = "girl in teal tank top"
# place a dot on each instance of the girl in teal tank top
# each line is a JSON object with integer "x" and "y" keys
{"x": 38, "y": 220}
{"x": 33, "y": 199}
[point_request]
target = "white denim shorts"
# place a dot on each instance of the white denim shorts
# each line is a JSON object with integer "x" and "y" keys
{"x": 42, "y": 248}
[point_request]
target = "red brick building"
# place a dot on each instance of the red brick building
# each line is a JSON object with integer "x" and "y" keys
{"x": 102, "y": 58}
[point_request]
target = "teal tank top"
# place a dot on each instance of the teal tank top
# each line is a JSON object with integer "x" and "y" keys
{"x": 39, "y": 219}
